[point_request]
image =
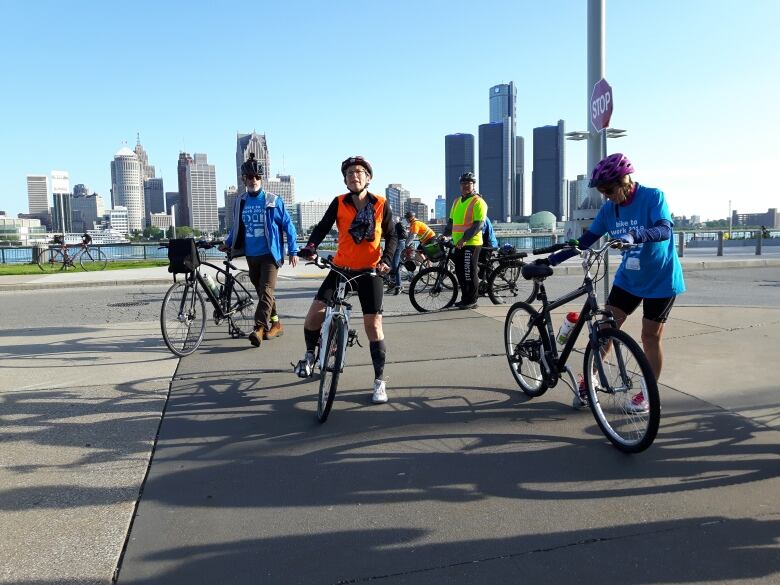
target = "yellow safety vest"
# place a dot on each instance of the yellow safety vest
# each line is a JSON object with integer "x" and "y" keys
{"x": 463, "y": 214}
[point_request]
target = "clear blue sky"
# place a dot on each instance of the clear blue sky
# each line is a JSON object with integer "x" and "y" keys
{"x": 696, "y": 84}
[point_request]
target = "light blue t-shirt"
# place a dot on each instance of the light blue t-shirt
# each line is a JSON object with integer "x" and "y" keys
{"x": 652, "y": 270}
{"x": 253, "y": 216}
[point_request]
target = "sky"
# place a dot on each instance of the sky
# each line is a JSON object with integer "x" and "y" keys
{"x": 695, "y": 84}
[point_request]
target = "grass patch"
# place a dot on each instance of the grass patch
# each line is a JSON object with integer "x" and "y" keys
{"x": 17, "y": 269}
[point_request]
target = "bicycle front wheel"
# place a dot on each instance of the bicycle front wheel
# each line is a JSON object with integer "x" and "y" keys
{"x": 93, "y": 259}
{"x": 329, "y": 376}
{"x": 242, "y": 304}
{"x": 51, "y": 260}
{"x": 433, "y": 289}
{"x": 506, "y": 285}
{"x": 183, "y": 318}
{"x": 525, "y": 345}
{"x": 622, "y": 390}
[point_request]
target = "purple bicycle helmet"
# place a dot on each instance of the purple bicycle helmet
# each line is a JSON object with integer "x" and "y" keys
{"x": 610, "y": 169}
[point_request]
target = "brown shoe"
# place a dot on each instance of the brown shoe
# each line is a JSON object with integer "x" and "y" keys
{"x": 257, "y": 335}
{"x": 276, "y": 330}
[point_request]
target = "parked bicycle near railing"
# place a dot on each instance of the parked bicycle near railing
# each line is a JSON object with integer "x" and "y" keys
{"x": 59, "y": 258}
{"x": 183, "y": 312}
{"x": 614, "y": 366}
{"x": 436, "y": 288}
{"x": 335, "y": 334}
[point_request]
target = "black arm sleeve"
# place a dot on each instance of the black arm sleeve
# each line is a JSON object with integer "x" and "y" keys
{"x": 448, "y": 228}
{"x": 391, "y": 238}
{"x": 475, "y": 228}
{"x": 326, "y": 223}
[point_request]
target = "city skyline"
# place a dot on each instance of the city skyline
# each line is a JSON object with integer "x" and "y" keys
{"x": 699, "y": 115}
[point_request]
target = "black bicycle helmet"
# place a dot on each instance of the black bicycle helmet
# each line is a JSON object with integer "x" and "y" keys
{"x": 356, "y": 160}
{"x": 409, "y": 215}
{"x": 252, "y": 167}
{"x": 468, "y": 177}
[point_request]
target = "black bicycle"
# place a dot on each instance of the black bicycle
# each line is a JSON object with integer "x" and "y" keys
{"x": 183, "y": 313}
{"x": 617, "y": 373}
{"x": 436, "y": 288}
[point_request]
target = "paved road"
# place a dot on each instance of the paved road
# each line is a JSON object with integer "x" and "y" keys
{"x": 459, "y": 479}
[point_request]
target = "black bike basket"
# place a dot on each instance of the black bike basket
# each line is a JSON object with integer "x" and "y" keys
{"x": 182, "y": 256}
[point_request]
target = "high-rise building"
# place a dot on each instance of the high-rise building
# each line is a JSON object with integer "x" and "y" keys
{"x": 458, "y": 159}
{"x": 171, "y": 199}
{"x": 416, "y": 206}
{"x": 81, "y": 190}
{"x": 231, "y": 194}
{"x": 127, "y": 187}
{"x": 202, "y": 188}
{"x": 38, "y": 194}
{"x": 255, "y": 143}
{"x": 147, "y": 170}
{"x": 119, "y": 218}
{"x": 308, "y": 214}
{"x": 61, "y": 212}
{"x": 397, "y": 197}
{"x": 86, "y": 210}
{"x": 284, "y": 187}
{"x": 549, "y": 187}
{"x": 183, "y": 212}
{"x": 154, "y": 197}
{"x": 440, "y": 207}
{"x": 498, "y": 178}
{"x": 584, "y": 203}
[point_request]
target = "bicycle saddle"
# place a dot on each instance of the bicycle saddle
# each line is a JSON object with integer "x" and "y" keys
{"x": 531, "y": 271}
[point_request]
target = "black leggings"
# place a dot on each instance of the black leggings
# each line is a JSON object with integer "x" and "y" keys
{"x": 466, "y": 259}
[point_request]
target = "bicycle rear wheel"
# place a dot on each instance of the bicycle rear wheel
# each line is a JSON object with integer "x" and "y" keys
{"x": 51, "y": 260}
{"x": 329, "y": 376}
{"x": 183, "y": 318}
{"x": 433, "y": 289}
{"x": 242, "y": 304}
{"x": 525, "y": 345}
{"x": 93, "y": 259}
{"x": 626, "y": 374}
{"x": 506, "y": 285}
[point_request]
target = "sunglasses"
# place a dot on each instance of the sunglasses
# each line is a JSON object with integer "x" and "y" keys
{"x": 258, "y": 177}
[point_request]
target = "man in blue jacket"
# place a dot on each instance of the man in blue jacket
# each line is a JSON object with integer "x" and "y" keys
{"x": 258, "y": 221}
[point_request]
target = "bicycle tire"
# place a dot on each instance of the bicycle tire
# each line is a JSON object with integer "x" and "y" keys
{"x": 329, "y": 376}
{"x": 242, "y": 315}
{"x": 426, "y": 295}
{"x": 93, "y": 260}
{"x": 506, "y": 285}
{"x": 524, "y": 346}
{"x": 51, "y": 260}
{"x": 627, "y": 371}
{"x": 183, "y": 319}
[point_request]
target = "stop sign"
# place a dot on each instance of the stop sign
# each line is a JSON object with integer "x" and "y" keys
{"x": 601, "y": 104}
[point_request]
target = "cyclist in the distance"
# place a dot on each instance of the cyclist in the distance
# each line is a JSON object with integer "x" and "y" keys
{"x": 649, "y": 274}
{"x": 362, "y": 219}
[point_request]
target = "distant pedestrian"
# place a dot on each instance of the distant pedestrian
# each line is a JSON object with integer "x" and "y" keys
{"x": 395, "y": 269}
{"x": 650, "y": 273}
{"x": 259, "y": 219}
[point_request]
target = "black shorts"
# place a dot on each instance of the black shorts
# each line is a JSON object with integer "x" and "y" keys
{"x": 652, "y": 309}
{"x": 370, "y": 290}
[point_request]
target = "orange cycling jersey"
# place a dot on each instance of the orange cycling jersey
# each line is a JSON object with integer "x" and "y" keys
{"x": 366, "y": 254}
{"x": 421, "y": 230}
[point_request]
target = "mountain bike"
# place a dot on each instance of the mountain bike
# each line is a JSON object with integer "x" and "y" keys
{"x": 183, "y": 312}
{"x": 436, "y": 288}
{"x": 335, "y": 334}
{"x": 59, "y": 258}
{"x": 615, "y": 368}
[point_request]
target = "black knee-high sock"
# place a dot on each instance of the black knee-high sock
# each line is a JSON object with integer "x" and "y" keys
{"x": 311, "y": 337}
{"x": 378, "y": 352}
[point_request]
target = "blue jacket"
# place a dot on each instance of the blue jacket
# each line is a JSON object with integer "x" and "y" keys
{"x": 488, "y": 235}
{"x": 276, "y": 219}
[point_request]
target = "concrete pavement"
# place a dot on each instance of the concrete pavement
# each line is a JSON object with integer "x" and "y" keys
{"x": 459, "y": 479}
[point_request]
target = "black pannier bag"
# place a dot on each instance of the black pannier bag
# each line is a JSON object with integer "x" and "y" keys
{"x": 182, "y": 256}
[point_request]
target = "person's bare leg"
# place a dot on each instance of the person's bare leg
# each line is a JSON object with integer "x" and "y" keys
{"x": 652, "y": 332}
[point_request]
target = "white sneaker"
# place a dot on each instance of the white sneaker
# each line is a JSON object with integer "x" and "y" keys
{"x": 637, "y": 404}
{"x": 380, "y": 394}
{"x": 305, "y": 366}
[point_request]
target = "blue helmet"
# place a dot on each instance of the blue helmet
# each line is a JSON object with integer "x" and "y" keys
{"x": 506, "y": 249}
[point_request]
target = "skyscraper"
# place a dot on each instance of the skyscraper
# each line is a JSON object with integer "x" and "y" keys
{"x": 284, "y": 187}
{"x": 38, "y": 194}
{"x": 498, "y": 180}
{"x": 127, "y": 187}
{"x": 458, "y": 159}
{"x": 440, "y": 207}
{"x": 154, "y": 197}
{"x": 183, "y": 213}
{"x": 61, "y": 212}
{"x": 86, "y": 210}
{"x": 397, "y": 197}
{"x": 549, "y": 187}
{"x": 202, "y": 188}
{"x": 231, "y": 194}
{"x": 147, "y": 170}
{"x": 255, "y": 143}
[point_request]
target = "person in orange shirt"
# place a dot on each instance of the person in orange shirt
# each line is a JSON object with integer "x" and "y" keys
{"x": 361, "y": 219}
{"x": 417, "y": 228}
